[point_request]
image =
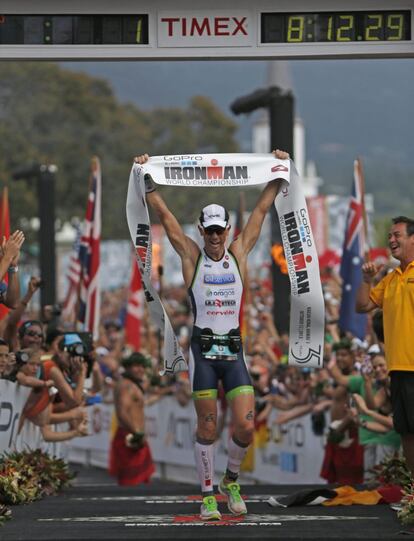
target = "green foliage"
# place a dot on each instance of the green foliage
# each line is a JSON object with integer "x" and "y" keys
{"x": 29, "y": 475}
{"x": 393, "y": 470}
{"x": 406, "y": 513}
{"x": 52, "y": 115}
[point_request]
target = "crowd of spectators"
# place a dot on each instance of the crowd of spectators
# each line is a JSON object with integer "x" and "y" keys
{"x": 348, "y": 399}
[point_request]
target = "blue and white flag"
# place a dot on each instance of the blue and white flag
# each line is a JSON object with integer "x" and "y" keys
{"x": 352, "y": 259}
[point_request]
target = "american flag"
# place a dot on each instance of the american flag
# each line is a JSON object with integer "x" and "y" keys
{"x": 135, "y": 309}
{"x": 352, "y": 259}
{"x": 89, "y": 290}
{"x": 73, "y": 276}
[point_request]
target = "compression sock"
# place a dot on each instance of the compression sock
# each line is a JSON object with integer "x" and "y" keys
{"x": 236, "y": 452}
{"x": 204, "y": 457}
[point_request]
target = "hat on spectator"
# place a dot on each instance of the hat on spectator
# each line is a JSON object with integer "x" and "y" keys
{"x": 136, "y": 358}
{"x": 357, "y": 343}
{"x": 345, "y": 343}
{"x": 214, "y": 215}
{"x": 27, "y": 324}
{"x": 374, "y": 349}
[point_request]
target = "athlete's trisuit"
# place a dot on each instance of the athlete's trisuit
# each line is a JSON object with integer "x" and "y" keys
{"x": 216, "y": 293}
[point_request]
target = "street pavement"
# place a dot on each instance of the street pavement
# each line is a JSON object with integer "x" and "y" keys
{"x": 96, "y": 508}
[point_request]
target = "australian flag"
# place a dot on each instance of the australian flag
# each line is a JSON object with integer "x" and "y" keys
{"x": 352, "y": 259}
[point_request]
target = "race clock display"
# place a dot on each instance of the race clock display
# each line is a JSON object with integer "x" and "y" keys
{"x": 341, "y": 27}
{"x": 73, "y": 29}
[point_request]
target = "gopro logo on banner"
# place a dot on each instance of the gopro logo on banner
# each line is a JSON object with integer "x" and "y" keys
{"x": 204, "y": 28}
{"x": 219, "y": 279}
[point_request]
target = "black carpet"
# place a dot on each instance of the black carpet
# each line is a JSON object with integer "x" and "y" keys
{"x": 96, "y": 508}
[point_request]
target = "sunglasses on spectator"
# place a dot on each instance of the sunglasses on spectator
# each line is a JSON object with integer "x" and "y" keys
{"x": 34, "y": 333}
{"x": 212, "y": 230}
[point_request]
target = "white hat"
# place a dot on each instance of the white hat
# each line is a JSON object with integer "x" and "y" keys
{"x": 374, "y": 349}
{"x": 357, "y": 343}
{"x": 214, "y": 215}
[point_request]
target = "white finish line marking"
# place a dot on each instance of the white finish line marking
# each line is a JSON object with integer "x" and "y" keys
{"x": 194, "y": 520}
{"x": 256, "y": 498}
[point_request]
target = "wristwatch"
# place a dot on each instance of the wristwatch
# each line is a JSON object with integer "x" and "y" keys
{"x": 13, "y": 268}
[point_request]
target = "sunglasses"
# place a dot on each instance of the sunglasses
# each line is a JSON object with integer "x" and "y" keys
{"x": 212, "y": 230}
{"x": 34, "y": 333}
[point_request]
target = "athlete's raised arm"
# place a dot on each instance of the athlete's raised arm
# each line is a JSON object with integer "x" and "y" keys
{"x": 248, "y": 237}
{"x": 183, "y": 245}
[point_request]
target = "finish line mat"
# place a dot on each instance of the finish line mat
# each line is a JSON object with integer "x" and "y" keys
{"x": 170, "y": 511}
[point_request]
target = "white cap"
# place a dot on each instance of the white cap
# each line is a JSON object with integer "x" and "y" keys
{"x": 358, "y": 344}
{"x": 374, "y": 349}
{"x": 214, "y": 215}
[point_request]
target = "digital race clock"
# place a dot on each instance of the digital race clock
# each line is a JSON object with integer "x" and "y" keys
{"x": 73, "y": 29}
{"x": 195, "y": 29}
{"x": 371, "y": 26}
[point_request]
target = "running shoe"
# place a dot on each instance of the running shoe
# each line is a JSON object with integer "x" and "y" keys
{"x": 235, "y": 502}
{"x": 209, "y": 509}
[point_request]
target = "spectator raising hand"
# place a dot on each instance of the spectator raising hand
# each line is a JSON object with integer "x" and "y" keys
{"x": 9, "y": 258}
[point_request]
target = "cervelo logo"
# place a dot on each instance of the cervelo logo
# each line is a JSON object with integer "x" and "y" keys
{"x": 280, "y": 167}
{"x": 218, "y": 279}
{"x": 211, "y": 26}
{"x": 220, "y": 312}
{"x": 221, "y": 293}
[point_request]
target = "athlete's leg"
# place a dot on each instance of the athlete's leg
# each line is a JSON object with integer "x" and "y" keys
{"x": 206, "y": 409}
{"x": 241, "y": 401}
{"x": 242, "y": 411}
{"x": 204, "y": 381}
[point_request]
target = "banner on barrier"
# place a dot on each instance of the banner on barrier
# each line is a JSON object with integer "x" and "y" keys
{"x": 12, "y": 400}
{"x": 289, "y": 453}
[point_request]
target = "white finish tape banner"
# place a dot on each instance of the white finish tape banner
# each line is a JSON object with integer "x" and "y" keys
{"x": 307, "y": 315}
{"x": 140, "y": 230}
{"x": 307, "y": 306}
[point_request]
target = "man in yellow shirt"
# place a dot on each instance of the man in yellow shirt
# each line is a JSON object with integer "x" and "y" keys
{"x": 395, "y": 295}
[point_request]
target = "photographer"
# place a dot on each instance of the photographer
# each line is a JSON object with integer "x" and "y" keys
{"x": 68, "y": 369}
{"x": 28, "y": 371}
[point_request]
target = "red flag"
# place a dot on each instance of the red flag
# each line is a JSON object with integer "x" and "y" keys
{"x": 135, "y": 309}
{"x": 4, "y": 232}
{"x": 89, "y": 257}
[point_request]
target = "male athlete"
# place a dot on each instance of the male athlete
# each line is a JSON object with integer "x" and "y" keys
{"x": 214, "y": 277}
